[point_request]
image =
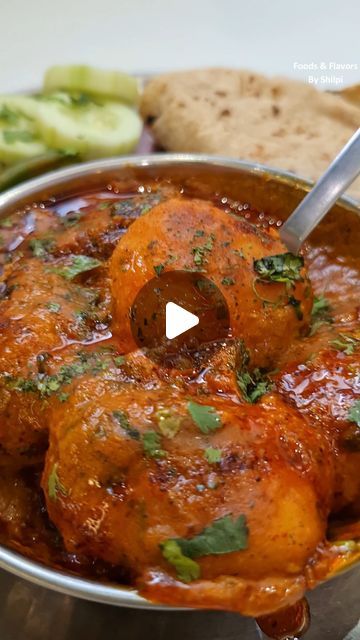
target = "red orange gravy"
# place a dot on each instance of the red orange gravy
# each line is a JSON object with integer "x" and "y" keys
{"x": 318, "y": 375}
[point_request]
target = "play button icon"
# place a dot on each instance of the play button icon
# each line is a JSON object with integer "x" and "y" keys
{"x": 178, "y": 320}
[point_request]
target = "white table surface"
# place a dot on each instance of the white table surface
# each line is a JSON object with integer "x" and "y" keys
{"x": 155, "y": 35}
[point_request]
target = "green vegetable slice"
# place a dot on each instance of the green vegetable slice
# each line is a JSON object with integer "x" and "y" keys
{"x": 19, "y": 139}
{"x": 111, "y": 84}
{"x": 91, "y": 129}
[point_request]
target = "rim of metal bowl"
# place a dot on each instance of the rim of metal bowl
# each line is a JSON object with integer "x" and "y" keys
{"x": 14, "y": 562}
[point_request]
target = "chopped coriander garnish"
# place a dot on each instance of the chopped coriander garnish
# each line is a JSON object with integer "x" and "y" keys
{"x": 79, "y": 264}
{"x": 159, "y": 268}
{"x": 71, "y": 219}
{"x": 123, "y": 419}
{"x": 104, "y": 205}
{"x": 227, "y": 281}
{"x": 54, "y": 307}
{"x": 54, "y": 485}
{"x": 354, "y": 413}
{"x": 213, "y": 455}
{"x": 253, "y": 385}
{"x": 152, "y": 445}
{"x": 239, "y": 253}
{"x": 320, "y": 313}
{"x": 169, "y": 423}
{"x": 40, "y": 247}
{"x": 119, "y": 360}
{"x": 346, "y": 343}
{"x": 46, "y": 385}
{"x": 187, "y": 569}
{"x": 204, "y": 416}
{"x": 6, "y": 223}
{"x": 284, "y": 267}
{"x": 222, "y": 536}
{"x": 351, "y": 436}
{"x": 199, "y": 253}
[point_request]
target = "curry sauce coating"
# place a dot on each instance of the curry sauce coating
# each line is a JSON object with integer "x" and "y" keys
{"x": 194, "y": 235}
{"x": 41, "y": 313}
{"x": 128, "y": 468}
{"x": 324, "y": 389}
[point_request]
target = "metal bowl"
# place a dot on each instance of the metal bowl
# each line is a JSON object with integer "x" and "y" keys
{"x": 274, "y": 191}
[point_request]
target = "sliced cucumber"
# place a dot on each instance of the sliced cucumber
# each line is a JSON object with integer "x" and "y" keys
{"x": 19, "y": 139}
{"x": 91, "y": 129}
{"x": 82, "y": 78}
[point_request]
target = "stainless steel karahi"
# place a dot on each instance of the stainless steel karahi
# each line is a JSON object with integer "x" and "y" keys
{"x": 335, "y": 604}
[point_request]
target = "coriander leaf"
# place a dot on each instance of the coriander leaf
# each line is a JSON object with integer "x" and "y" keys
{"x": 199, "y": 253}
{"x": 204, "y": 416}
{"x": 254, "y": 385}
{"x": 169, "y": 424}
{"x": 346, "y": 343}
{"x": 54, "y": 307}
{"x": 222, "y": 536}
{"x": 122, "y": 418}
{"x": 41, "y": 247}
{"x": 54, "y": 485}
{"x": 213, "y": 455}
{"x": 79, "y": 264}
{"x": 10, "y": 136}
{"x": 152, "y": 444}
{"x": 187, "y": 570}
{"x": 104, "y": 205}
{"x": 227, "y": 281}
{"x": 284, "y": 267}
{"x": 354, "y": 413}
{"x": 119, "y": 360}
{"x": 159, "y": 268}
{"x": 320, "y": 313}
{"x": 71, "y": 219}
{"x": 6, "y": 223}
{"x": 46, "y": 385}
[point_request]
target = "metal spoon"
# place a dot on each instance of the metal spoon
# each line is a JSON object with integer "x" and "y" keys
{"x": 311, "y": 210}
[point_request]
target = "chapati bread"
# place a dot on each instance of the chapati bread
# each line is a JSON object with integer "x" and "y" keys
{"x": 282, "y": 123}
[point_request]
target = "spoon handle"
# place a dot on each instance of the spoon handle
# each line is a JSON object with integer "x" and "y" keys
{"x": 340, "y": 174}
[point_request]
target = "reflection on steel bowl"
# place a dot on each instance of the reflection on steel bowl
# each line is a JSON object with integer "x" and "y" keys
{"x": 226, "y": 478}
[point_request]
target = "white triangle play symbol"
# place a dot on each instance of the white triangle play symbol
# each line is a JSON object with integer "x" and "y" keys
{"x": 178, "y": 320}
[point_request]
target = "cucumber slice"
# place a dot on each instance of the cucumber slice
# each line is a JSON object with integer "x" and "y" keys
{"x": 19, "y": 139}
{"x": 90, "y": 129}
{"x": 111, "y": 84}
